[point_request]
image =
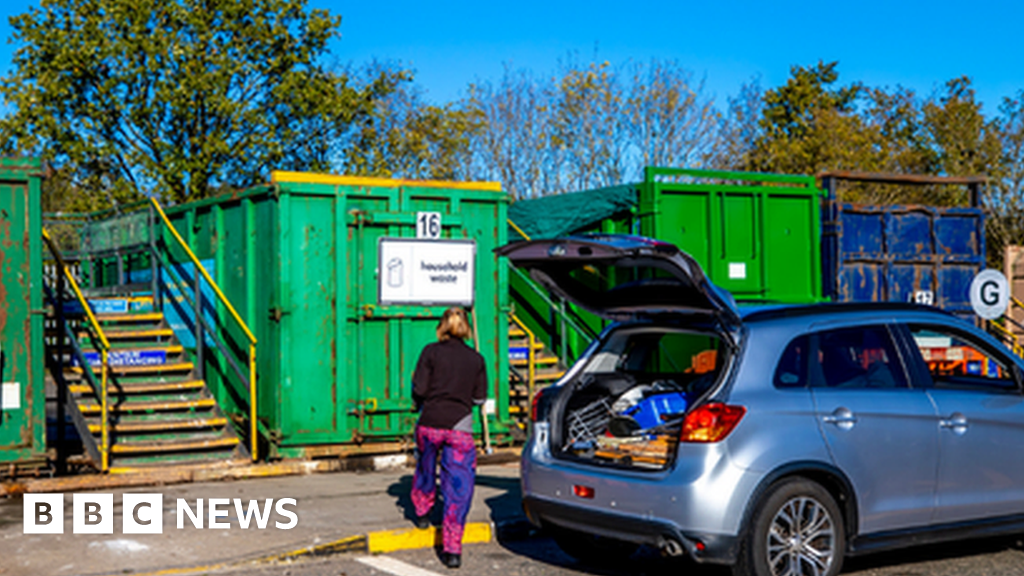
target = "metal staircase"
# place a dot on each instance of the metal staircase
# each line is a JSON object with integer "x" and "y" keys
{"x": 532, "y": 367}
{"x": 136, "y": 396}
{"x": 160, "y": 410}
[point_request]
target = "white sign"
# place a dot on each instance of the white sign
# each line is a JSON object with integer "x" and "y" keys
{"x": 10, "y": 396}
{"x": 990, "y": 294}
{"x": 737, "y": 270}
{"x": 426, "y": 272}
{"x": 428, "y": 225}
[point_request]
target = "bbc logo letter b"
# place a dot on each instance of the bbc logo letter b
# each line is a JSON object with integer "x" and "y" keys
{"x": 93, "y": 513}
{"x": 44, "y": 513}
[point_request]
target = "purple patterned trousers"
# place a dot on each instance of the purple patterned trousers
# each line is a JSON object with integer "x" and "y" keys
{"x": 458, "y": 472}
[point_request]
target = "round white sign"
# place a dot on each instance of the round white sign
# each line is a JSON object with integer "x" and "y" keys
{"x": 990, "y": 294}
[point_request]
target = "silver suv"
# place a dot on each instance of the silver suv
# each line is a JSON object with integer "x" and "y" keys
{"x": 778, "y": 440}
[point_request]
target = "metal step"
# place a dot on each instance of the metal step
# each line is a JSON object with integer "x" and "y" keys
{"x": 170, "y": 406}
{"x": 144, "y": 369}
{"x": 133, "y": 334}
{"x": 162, "y": 425}
{"x": 540, "y": 361}
{"x": 145, "y": 388}
{"x": 131, "y": 317}
{"x": 174, "y": 446}
{"x": 170, "y": 349}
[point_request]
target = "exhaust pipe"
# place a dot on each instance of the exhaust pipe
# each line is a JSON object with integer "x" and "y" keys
{"x": 672, "y": 547}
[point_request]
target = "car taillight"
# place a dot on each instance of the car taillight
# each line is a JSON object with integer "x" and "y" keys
{"x": 533, "y": 405}
{"x": 711, "y": 422}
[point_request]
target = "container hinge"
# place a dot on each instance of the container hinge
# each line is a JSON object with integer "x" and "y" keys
{"x": 276, "y": 314}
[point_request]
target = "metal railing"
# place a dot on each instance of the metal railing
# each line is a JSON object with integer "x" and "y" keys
{"x": 202, "y": 273}
{"x": 1005, "y": 333}
{"x": 104, "y": 349}
{"x": 566, "y": 318}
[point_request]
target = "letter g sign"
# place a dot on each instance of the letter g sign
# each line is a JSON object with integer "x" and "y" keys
{"x": 990, "y": 294}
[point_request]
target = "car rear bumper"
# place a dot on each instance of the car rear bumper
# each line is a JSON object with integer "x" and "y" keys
{"x": 715, "y": 549}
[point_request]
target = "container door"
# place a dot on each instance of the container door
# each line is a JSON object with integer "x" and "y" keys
{"x": 21, "y": 323}
{"x": 309, "y": 394}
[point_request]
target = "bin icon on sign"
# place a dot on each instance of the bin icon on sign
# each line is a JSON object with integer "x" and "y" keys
{"x": 395, "y": 272}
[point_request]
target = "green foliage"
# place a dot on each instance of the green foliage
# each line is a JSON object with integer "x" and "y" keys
{"x": 808, "y": 125}
{"x": 398, "y": 134}
{"x": 176, "y": 97}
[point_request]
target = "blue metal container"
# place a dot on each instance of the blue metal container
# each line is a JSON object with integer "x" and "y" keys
{"x": 922, "y": 254}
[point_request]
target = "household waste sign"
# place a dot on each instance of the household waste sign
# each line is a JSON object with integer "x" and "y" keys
{"x": 426, "y": 272}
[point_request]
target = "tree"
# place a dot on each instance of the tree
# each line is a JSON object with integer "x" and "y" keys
{"x": 174, "y": 97}
{"x": 739, "y": 129}
{"x": 1004, "y": 198}
{"x": 397, "y": 134}
{"x": 587, "y": 124}
{"x": 809, "y": 126}
{"x": 590, "y": 125}
{"x": 670, "y": 122}
{"x": 512, "y": 146}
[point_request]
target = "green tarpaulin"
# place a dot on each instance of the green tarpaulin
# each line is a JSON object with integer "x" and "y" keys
{"x": 562, "y": 214}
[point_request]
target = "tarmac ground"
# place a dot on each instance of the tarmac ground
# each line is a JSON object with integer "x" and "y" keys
{"x": 332, "y": 510}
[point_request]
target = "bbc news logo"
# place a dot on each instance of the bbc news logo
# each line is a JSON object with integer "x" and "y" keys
{"x": 143, "y": 513}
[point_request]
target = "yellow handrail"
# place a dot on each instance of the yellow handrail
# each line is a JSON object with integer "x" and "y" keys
{"x": 104, "y": 353}
{"x": 518, "y": 229}
{"x": 531, "y": 360}
{"x": 202, "y": 270}
{"x": 234, "y": 314}
{"x": 1015, "y": 344}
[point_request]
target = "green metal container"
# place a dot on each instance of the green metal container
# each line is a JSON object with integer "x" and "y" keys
{"x": 22, "y": 402}
{"x": 299, "y": 260}
{"x": 756, "y": 235}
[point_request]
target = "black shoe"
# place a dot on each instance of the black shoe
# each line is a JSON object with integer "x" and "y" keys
{"x": 452, "y": 560}
{"x": 422, "y": 522}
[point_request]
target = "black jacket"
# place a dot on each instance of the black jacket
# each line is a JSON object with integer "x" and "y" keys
{"x": 450, "y": 378}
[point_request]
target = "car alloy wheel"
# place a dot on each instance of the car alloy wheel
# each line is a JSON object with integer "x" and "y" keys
{"x": 801, "y": 539}
{"x": 796, "y": 530}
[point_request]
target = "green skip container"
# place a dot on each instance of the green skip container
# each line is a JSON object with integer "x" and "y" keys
{"x": 22, "y": 381}
{"x": 299, "y": 261}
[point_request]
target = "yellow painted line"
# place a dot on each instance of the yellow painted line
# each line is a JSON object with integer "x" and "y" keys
{"x": 416, "y": 538}
{"x": 280, "y": 176}
{"x": 350, "y": 544}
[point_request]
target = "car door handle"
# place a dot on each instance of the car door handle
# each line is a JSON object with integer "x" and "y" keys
{"x": 957, "y": 423}
{"x": 843, "y": 418}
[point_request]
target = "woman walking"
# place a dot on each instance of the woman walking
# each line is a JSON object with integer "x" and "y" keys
{"x": 449, "y": 380}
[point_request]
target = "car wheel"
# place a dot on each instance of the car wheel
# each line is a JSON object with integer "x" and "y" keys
{"x": 592, "y": 549}
{"x": 797, "y": 530}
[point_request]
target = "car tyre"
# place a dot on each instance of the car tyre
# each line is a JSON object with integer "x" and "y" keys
{"x": 797, "y": 530}
{"x": 590, "y": 548}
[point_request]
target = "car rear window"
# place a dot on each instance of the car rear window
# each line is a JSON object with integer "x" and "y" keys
{"x": 792, "y": 369}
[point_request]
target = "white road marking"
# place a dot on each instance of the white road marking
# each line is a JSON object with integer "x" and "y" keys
{"x": 393, "y": 566}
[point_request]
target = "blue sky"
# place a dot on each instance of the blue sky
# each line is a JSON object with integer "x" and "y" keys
{"x": 915, "y": 44}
